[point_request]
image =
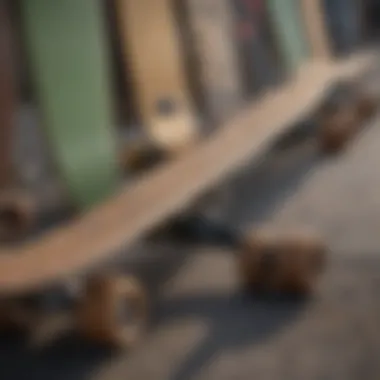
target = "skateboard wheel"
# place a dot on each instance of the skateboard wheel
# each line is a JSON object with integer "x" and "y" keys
{"x": 17, "y": 214}
{"x": 336, "y": 130}
{"x": 366, "y": 107}
{"x": 113, "y": 311}
{"x": 284, "y": 262}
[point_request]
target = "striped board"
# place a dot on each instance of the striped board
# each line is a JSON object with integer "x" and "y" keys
{"x": 67, "y": 51}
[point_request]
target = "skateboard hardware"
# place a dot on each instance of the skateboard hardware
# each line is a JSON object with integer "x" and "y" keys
{"x": 283, "y": 261}
{"x": 102, "y": 315}
{"x": 159, "y": 77}
{"x": 286, "y": 262}
{"x": 166, "y": 107}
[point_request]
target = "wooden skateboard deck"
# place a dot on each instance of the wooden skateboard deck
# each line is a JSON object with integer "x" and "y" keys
{"x": 7, "y": 94}
{"x": 259, "y": 51}
{"x": 90, "y": 239}
{"x": 210, "y": 25}
{"x": 67, "y": 51}
{"x": 316, "y": 28}
{"x": 343, "y": 24}
{"x": 151, "y": 48}
{"x": 289, "y": 28}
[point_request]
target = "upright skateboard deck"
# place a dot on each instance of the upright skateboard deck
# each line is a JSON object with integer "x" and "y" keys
{"x": 316, "y": 28}
{"x": 151, "y": 47}
{"x": 67, "y": 51}
{"x": 259, "y": 50}
{"x": 211, "y": 27}
{"x": 343, "y": 23}
{"x": 289, "y": 28}
{"x": 7, "y": 93}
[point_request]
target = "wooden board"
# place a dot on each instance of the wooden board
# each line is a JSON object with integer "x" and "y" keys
{"x": 125, "y": 217}
{"x": 69, "y": 67}
{"x": 151, "y": 47}
{"x": 7, "y": 94}
{"x": 211, "y": 27}
{"x": 343, "y": 24}
{"x": 289, "y": 28}
{"x": 316, "y": 28}
{"x": 260, "y": 52}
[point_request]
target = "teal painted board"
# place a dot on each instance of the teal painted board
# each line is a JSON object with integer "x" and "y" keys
{"x": 288, "y": 24}
{"x": 67, "y": 50}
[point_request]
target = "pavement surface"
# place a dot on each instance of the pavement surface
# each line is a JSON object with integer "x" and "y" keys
{"x": 204, "y": 327}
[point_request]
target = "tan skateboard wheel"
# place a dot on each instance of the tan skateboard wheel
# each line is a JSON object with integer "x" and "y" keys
{"x": 113, "y": 311}
{"x": 17, "y": 214}
{"x": 337, "y": 129}
{"x": 288, "y": 262}
{"x": 366, "y": 107}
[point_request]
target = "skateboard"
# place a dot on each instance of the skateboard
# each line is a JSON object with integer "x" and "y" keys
{"x": 288, "y": 25}
{"x": 315, "y": 25}
{"x": 151, "y": 49}
{"x": 113, "y": 308}
{"x": 66, "y": 47}
{"x": 7, "y": 94}
{"x": 260, "y": 55}
{"x": 210, "y": 26}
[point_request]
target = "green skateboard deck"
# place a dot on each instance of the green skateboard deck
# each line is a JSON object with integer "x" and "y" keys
{"x": 288, "y": 24}
{"x": 7, "y": 94}
{"x": 66, "y": 47}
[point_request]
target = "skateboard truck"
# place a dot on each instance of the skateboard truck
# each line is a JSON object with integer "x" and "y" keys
{"x": 287, "y": 261}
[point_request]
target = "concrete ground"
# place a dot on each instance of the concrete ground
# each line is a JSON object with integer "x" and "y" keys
{"x": 203, "y": 327}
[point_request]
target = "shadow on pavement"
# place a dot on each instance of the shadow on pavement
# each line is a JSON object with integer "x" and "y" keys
{"x": 235, "y": 322}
